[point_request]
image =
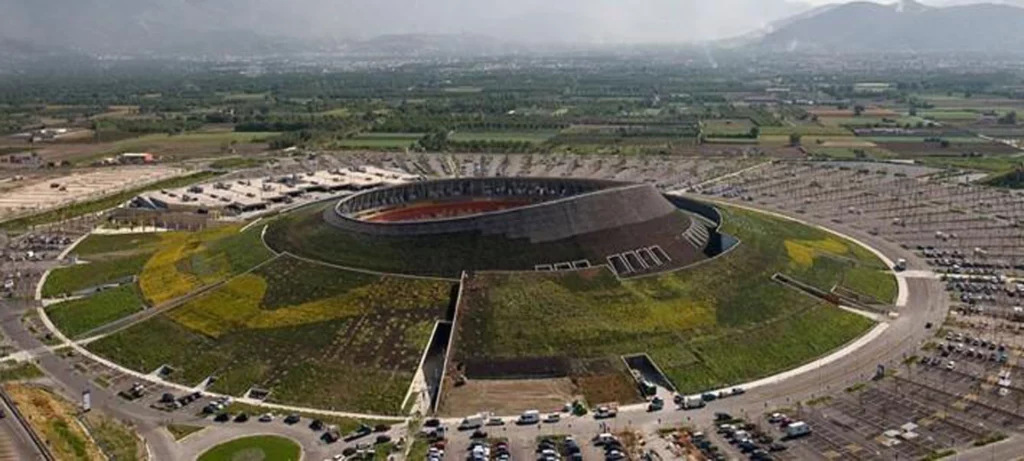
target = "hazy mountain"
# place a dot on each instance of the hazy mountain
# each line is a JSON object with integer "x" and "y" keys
{"x": 903, "y": 26}
{"x": 261, "y": 26}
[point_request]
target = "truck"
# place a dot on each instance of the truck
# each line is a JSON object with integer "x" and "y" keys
{"x": 657, "y": 403}
{"x": 797, "y": 429}
{"x": 691, "y": 403}
{"x": 901, "y": 264}
{"x": 529, "y": 417}
{"x": 473, "y": 422}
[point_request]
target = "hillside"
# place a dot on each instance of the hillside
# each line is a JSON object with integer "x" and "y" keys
{"x": 905, "y": 26}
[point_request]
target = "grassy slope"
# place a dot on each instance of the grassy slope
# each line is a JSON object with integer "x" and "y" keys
{"x": 82, "y": 276}
{"x": 685, "y": 320}
{"x": 315, "y": 335}
{"x": 262, "y": 446}
{"x": 81, "y": 315}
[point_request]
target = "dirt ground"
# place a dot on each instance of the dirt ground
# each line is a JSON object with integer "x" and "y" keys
{"x": 508, "y": 397}
{"x": 53, "y": 418}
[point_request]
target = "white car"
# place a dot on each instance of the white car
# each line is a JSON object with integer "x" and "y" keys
{"x": 951, "y": 365}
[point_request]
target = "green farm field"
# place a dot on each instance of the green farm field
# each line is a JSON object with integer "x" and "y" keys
{"x": 313, "y": 335}
{"x": 714, "y": 128}
{"x": 514, "y": 136}
{"x": 370, "y": 140}
{"x": 155, "y": 141}
{"x": 717, "y": 324}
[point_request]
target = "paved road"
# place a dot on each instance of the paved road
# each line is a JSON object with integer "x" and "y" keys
{"x": 71, "y": 383}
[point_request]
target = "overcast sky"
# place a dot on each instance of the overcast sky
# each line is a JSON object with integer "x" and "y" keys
{"x": 117, "y": 22}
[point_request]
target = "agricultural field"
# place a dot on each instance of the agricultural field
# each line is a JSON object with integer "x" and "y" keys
{"x": 542, "y": 323}
{"x": 504, "y": 136}
{"x": 803, "y": 129}
{"x": 179, "y": 144}
{"x": 381, "y": 140}
{"x": 727, "y": 127}
{"x": 187, "y": 261}
{"x": 314, "y": 335}
{"x": 266, "y": 447}
{"x": 85, "y": 314}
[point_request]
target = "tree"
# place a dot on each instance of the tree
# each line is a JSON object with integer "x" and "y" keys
{"x": 944, "y": 144}
{"x": 913, "y": 111}
{"x": 794, "y": 139}
{"x": 1009, "y": 119}
{"x": 858, "y": 110}
{"x": 755, "y": 132}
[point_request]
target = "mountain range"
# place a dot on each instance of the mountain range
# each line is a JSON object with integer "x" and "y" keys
{"x": 906, "y": 26}
{"x": 452, "y": 27}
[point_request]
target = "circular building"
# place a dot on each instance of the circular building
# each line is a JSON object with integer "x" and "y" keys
{"x": 446, "y": 226}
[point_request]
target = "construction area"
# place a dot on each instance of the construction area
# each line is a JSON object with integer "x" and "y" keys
{"x": 23, "y": 195}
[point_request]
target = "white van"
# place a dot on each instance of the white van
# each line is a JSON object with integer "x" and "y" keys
{"x": 472, "y": 422}
{"x": 529, "y": 417}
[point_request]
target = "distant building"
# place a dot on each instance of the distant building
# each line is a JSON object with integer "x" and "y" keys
{"x": 22, "y": 158}
{"x": 871, "y": 87}
{"x": 48, "y": 134}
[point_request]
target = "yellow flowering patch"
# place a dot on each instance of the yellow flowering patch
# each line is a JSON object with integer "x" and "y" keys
{"x": 801, "y": 252}
{"x": 168, "y": 275}
{"x": 237, "y": 304}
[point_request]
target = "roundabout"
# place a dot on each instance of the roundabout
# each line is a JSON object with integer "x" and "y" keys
{"x": 254, "y": 448}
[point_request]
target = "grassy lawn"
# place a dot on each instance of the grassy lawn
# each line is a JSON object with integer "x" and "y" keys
{"x": 263, "y": 447}
{"x": 102, "y": 245}
{"x": 70, "y": 279}
{"x": 237, "y": 163}
{"x": 515, "y": 136}
{"x": 118, "y": 440}
{"x": 101, "y": 204}
{"x": 180, "y": 431}
{"x": 313, "y": 335}
{"x": 81, "y": 315}
{"x": 681, "y": 319}
{"x": 20, "y": 372}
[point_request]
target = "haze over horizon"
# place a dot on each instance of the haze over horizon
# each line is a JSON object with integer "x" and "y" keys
{"x": 99, "y": 25}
